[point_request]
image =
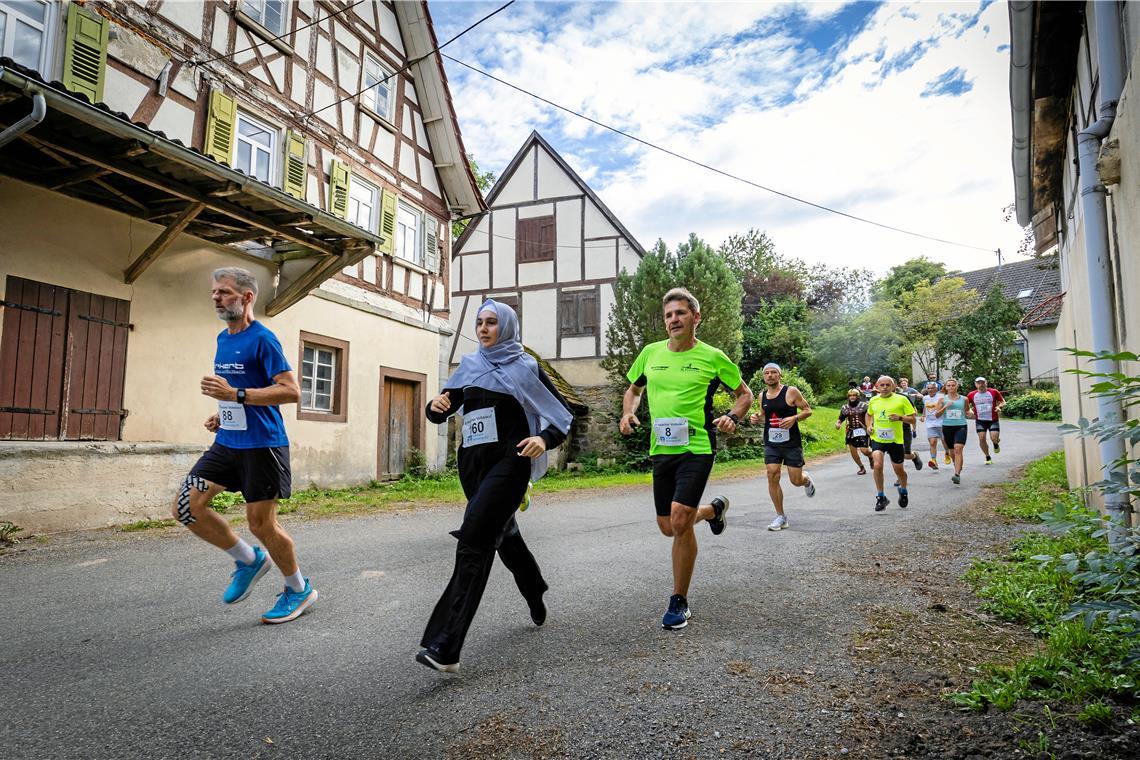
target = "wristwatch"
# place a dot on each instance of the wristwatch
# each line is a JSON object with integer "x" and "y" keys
{"x": 733, "y": 417}
{"x": 241, "y": 395}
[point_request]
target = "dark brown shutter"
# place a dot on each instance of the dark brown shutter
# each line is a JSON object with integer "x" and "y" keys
{"x": 588, "y": 312}
{"x": 31, "y": 359}
{"x": 567, "y": 314}
{"x": 98, "y": 327}
{"x": 535, "y": 239}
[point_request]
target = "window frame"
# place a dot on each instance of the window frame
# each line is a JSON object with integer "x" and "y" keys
{"x": 274, "y": 147}
{"x": 49, "y": 29}
{"x": 368, "y": 94}
{"x": 339, "y": 348}
{"x": 399, "y": 245}
{"x": 374, "y": 216}
{"x": 528, "y": 247}
{"x": 243, "y": 9}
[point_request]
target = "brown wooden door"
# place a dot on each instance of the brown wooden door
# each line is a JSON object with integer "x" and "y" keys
{"x": 400, "y": 405}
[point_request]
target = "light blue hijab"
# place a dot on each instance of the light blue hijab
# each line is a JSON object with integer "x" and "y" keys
{"x": 506, "y": 368}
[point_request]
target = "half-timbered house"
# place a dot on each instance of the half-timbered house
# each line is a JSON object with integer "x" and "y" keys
{"x": 143, "y": 146}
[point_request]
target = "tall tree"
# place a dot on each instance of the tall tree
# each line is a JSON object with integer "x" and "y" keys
{"x": 906, "y": 277}
{"x": 922, "y": 314}
{"x": 983, "y": 342}
{"x": 867, "y": 344}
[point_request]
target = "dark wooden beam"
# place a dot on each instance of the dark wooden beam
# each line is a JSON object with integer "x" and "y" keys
{"x": 74, "y": 177}
{"x": 162, "y": 242}
{"x": 170, "y": 186}
{"x": 319, "y": 272}
{"x": 225, "y": 190}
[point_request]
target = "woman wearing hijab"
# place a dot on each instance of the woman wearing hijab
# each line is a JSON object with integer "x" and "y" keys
{"x": 512, "y": 415}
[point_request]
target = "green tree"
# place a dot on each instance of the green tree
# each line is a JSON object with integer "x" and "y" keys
{"x": 777, "y": 331}
{"x": 922, "y": 314}
{"x": 484, "y": 181}
{"x": 705, "y": 274}
{"x": 983, "y": 341}
{"x": 906, "y": 277}
{"x": 867, "y": 344}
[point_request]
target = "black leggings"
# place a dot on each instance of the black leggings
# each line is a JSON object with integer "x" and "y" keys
{"x": 488, "y": 526}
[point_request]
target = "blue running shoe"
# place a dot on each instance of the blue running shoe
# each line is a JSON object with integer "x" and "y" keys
{"x": 677, "y": 616}
{"x": 291, "y": 604}
{"x": 246, "y": 576}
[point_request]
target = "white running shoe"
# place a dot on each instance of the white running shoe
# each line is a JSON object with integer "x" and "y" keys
{"x": 779, "y": 523}
{"x": 809, "y": 487}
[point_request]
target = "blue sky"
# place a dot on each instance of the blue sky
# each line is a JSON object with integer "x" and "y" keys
{"x": 892, "y": 111}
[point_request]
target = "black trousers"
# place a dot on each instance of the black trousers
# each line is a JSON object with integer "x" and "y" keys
{"x": 494, "y": 491}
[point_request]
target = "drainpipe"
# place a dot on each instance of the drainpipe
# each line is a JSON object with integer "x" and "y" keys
{"x": 39, "y": 110}
{"x": 1095, "y": 226}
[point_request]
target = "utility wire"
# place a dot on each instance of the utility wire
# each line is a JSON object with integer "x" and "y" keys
{"x": 713, "y": 169}
{"x": 413, "y": 62}
{"x": 255, "y": 45}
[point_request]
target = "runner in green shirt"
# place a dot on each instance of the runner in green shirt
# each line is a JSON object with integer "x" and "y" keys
{"x": 681, "y": 375}
{"x": 886, "y": 414}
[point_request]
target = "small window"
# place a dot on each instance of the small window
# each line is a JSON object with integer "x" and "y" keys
{"x": 324, "y": 378}
{"x": 23, "y": 32}
{"x": 408, "y": 244}
{"x": 269, "y": 13}
{"x": 1025, "y": 293}
{"x": 363, "y": 204}
{"x": 379, "y": 88}
{"x": 535, "y": 239}
{"x": 255, "y": 148}
{"x": 578, "y": 314}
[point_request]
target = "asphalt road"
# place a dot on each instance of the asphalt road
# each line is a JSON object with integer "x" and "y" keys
{"x": 118, "y": 645}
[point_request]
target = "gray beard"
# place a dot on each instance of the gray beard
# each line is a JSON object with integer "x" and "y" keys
{"x": 229, "y": 315}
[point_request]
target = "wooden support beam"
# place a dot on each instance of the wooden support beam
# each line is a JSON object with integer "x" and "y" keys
{"x": 239, "y": 237}
{"x": 162, "y": 242}
{"x": 225, "y": 190}
{"x": 170, "y": 186}
{"x": 319, "y": 272}
{"x": 74, "y": 177}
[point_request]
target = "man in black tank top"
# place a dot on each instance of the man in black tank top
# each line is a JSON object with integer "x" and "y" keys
{"x": 783, "y": 407}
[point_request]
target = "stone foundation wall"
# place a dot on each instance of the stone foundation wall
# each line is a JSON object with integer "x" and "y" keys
{"x": 595, "y": 431}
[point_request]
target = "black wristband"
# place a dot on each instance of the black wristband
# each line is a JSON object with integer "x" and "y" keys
{"x": 241, "y": 395}
{"x": 733, "y": 417}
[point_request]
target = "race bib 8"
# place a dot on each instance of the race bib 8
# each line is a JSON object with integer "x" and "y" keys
{"x": 953, "y": 414}
{"x": 671, "y": 431}
{"x": 479, "y": 427}
{"x": 231, "y": 415}
{"x": 779, "y": 435}
{"x": 885, "y": 434}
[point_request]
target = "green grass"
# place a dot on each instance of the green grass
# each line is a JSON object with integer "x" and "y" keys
{"x": 1045, "y": 483}
{"x": 146, "y": 525}
{"x": 1077, "y": 664}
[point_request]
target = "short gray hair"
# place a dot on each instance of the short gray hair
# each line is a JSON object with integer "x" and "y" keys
{"x": 682, "y": 294}
{"x": 243, "y": 278}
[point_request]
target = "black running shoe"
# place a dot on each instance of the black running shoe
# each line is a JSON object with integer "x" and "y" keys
{"x": 537, "y": 610}
{"x": 435, "y": 661}
{"x": 718, "y": 523}
{"x": 881, "y": 502}
{"x": 917, "y": 463}
{"x": 904, "y": 499}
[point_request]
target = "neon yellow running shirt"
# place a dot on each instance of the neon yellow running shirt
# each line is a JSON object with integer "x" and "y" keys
{"x": 881, "y": 409}
{"x": 680, "y": 386}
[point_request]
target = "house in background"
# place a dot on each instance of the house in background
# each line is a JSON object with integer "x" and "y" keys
{"x": 143, "y": 146}
{"x": 1035, "y": 284}
{"x": 1073, "y": 67}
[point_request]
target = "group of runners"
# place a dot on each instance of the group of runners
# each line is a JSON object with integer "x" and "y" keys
{"x": 512, "y": 415}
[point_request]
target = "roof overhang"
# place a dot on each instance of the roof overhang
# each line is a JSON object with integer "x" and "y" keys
{"x": 461, "y": 192}
{"x": 88, "y": 152}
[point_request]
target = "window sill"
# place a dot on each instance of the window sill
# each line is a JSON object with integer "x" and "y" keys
{"x": 411, "y": 265}
{"x": 313, "y": 415}
{"x": 255, "y": 26}
{"x": 378, "y": 119}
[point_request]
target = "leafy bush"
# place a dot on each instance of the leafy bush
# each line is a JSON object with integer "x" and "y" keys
{"x": 1034, "y": 404}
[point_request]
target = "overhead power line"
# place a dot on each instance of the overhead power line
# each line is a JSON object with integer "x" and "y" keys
{"x": 414, "y": 61}
{"x": 713, "y": 169}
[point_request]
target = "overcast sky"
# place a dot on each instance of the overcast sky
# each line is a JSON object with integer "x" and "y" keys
{"x": 896, "y": 112}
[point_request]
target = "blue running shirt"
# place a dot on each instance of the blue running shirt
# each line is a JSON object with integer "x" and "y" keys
{"x": 250, "y": 359}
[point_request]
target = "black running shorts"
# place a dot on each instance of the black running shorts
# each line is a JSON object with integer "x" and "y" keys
{"x": 984, "y": 425}
{"x": 954, "y": 434}
{"x": 858, "y": 441}
{"x": 789, "y": 457}
{"x": 259, "y": 474}
{"x": 895, "y": 451}
{"x": 679, "y": 478}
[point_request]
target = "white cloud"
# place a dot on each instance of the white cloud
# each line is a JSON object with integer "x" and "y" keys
{"x": 733, "y": 85}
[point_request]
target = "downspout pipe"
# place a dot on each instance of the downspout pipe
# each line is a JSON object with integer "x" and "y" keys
{"x": 1021, "y": 15}
{"x": 39, "y": 111}
{"x": 1094, "y": 208}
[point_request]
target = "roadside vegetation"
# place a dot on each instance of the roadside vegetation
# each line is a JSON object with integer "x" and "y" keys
{"x": 1036, "y": 404}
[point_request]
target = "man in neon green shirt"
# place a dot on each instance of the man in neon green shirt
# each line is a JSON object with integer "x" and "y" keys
{"x": 886, "y": 413}
{"x": 681, "y": 374}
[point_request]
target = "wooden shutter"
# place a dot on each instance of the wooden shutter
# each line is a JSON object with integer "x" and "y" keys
{"x": 431, "y": 244}
{"x": 97, "y": 327}
{"x": 220, "y": 127}
{"x": 339, "y": 177}
{"x": 295, "y": 165}
{"x": 588, "y": 312}
{"x": 85, "y": 52}
{"x": 567, "y": 314}
{"x": 534, "y": 239}
{"x": 388, "y": 223}
{"x": 32, "y": 352}
{"x": 546, "y": 238}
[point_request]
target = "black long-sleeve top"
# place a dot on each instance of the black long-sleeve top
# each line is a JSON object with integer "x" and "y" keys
{"x": 510, "y": 420}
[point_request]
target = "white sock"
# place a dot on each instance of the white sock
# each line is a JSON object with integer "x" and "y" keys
{"x": 295, "y": 582}
{"x": 242, "y": 552}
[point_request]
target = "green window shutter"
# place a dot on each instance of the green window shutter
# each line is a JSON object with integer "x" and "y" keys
{"x": 388, "y": 223}
{"x": 339, "y": 177}
{"x": 431, "y": 244}
{"x": 220, "y": 127}
{"x": 85, "y": 53}
{"x": 295, "y": 165}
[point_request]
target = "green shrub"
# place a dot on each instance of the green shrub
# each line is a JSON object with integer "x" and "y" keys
{"x": 1035, "y": 405}
{"x": 8, "y": 533}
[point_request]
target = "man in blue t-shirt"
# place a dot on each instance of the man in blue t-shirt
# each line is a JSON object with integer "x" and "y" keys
{"x": 250, "y": 452}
